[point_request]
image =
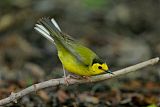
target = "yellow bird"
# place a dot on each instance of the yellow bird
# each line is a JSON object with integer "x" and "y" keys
{"x": 75, "y": 57}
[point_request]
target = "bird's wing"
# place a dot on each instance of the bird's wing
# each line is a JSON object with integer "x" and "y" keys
{"x": 51, "y": 31}
{"x": 85, "y": 54}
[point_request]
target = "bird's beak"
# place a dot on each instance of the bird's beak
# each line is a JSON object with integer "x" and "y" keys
{"x": 110, "y": 72}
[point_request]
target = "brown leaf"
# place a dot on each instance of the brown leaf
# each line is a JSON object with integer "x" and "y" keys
{"x": 43, "y": 95}
{"x": 62, "y": 96}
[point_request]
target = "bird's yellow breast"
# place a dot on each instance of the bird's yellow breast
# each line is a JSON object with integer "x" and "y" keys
{"x": 71, "y": 64}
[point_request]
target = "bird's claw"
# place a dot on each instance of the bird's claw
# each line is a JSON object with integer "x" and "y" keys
{"x": 66, "y": 80}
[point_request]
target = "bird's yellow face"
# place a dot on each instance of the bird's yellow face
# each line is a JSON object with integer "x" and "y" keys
{"x": 99, "y": 68}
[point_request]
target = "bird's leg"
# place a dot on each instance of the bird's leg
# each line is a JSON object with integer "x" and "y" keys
{"x": 65, "y": 77}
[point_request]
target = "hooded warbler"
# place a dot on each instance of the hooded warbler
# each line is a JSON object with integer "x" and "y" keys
{"x": 75, "y": 58}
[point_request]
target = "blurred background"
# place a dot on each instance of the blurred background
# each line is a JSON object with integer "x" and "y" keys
{"x": 123, "y": 32}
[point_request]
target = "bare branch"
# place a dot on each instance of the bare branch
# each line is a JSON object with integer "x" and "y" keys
{"x": 60, "y": 81}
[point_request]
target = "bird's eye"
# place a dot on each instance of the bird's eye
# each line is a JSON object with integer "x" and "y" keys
{"x": 99, "y": 67}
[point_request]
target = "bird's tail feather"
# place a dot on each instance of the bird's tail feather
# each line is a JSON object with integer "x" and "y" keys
{"x": 48, "y": 28}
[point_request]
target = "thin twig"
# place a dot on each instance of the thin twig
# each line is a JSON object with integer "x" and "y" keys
{"x": 60, "y": 81}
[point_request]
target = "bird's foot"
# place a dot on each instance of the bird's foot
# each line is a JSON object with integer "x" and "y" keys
{"x": 87, "y": 78}
{"x": 80, "y": 77}
{"x": 74, "y": 76}
{"x": 66, "y": 80}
